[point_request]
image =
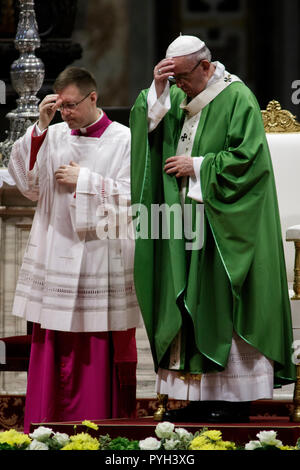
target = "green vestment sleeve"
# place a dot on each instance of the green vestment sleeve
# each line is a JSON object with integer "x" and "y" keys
{"x": 237, "y": 280}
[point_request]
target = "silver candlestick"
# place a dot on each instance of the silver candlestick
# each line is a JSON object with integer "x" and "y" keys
{"x": 27, "y": 76}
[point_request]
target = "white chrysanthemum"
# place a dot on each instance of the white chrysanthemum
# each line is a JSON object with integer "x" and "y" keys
{"x": 150, "y": 443}
{"x": 61, "y": 439}
{"x": 269, "y": 438}
{"x": 252, "y": 445}
{"x": 170, "y": 444}
{"x": 164, "y": 430}
{"x": 37, "y": 445}
{"x": 41, "y": 433}
{"x": 183, "y": 433}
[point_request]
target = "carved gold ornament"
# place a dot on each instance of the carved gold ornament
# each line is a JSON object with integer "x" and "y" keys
{"x": 162, "y": 406}
{"x": 279, "y": 120}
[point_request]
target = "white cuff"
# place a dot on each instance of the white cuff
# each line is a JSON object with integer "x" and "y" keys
{"x": 84, "y": 214}
{"x": 195, "y": 191}
{"x": 157, "y": 107}
{"x": 37, "y": 131}
{"x": 84, "y": 183}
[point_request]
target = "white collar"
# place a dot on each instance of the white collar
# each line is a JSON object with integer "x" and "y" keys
{"x": 83, "y": 130}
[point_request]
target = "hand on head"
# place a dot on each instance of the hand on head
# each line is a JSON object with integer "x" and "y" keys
{"x": 162, "y": 71}
{"x": 47, "y": 108}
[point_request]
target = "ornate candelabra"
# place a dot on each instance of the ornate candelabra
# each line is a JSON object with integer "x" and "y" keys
{"x": 27, "y": 76}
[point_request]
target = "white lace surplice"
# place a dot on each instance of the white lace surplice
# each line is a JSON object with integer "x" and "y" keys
{"x": 70, "y": 279}
{"x": 248, "y": 376}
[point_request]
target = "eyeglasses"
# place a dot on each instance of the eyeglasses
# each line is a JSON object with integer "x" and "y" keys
{"x": 184, "y": 76}
{"x": 72, "y": 106}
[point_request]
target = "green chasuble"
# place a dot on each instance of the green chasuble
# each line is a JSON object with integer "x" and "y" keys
{"x": 237, "y": 280}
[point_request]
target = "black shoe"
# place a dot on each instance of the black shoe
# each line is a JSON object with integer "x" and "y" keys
{"x": 194, "y": 412}
{"x": 210, "y": 412}
{"x": 230, "y": 412}
{"x": 189, "y": 414}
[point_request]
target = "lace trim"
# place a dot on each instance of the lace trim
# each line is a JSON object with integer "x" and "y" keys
{"x": 217, "y": 376}
{"x": 67, "y": 274}
{"x": 18, "y": 163}
{"x": 25, "y": 180}
{"x": 51, "y": 288}
{"x": 244, "y": 357}
{"x": 99, "y": 308}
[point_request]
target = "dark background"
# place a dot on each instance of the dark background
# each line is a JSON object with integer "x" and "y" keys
{"x": 257, "y": 40}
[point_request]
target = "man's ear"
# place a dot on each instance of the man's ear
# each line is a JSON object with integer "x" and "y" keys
{"x": 205, "y": 64}
{"x": 94, "y": 97}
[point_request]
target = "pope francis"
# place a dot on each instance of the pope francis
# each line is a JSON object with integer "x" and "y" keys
{"x": 217, "y": 312}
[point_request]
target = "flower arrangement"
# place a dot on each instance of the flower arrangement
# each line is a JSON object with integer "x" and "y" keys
{"x": 211, "y": 440}
{"x": 45, "y": 439}
{"x": 168, "y": 437}
{"x": 171, "y": 438}
{"x": 82, "y": 441}
{"x": 267, "y": 440}
{"x": 10, "y": 440}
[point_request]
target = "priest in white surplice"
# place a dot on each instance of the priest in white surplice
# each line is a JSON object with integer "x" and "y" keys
{"x": 76, "y": 287}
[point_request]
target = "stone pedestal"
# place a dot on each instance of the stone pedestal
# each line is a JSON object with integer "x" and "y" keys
{"x": 16, "y": 213}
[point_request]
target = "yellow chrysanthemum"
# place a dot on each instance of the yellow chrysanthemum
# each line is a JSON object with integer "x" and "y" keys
{"x": 209, "y": 447}
{"x": 90, "y": 424}
{"x": 198, "y": 442}
{"x": 229, "y": 445}
{"x": 213, "y": 435}
{"x": 211, "y": 440}
{"x": 14, "y": 438}
{"x": 225, "y": 445}
{"x": 82, "y": 441}
{"x": 286, "y": 448}
{"x": 80, "y": 446}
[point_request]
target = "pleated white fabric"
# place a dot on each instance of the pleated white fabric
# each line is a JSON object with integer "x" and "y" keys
{"x": 70, "y": 279}
{"x": 248, "y": 376}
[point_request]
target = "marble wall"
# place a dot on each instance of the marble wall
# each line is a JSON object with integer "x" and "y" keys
{"x": 117, "y": 43}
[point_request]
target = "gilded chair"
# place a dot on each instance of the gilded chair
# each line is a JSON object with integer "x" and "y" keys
{"x": 283, "y": 134}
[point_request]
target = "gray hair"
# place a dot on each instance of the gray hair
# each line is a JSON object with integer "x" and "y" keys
{"x": 203, "y": 53}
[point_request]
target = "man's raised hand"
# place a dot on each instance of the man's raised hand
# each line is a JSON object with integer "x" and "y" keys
{"x": 161, "y": 72}
{"x": 47, "y": 108}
